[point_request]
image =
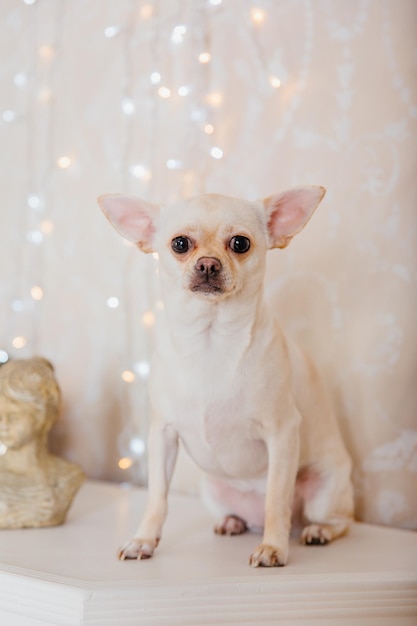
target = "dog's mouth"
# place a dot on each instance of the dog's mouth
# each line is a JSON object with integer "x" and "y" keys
{"x": 206, "y": 289}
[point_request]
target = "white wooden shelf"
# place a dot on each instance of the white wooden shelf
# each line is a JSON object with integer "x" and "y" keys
{"x": 70, "y": 576}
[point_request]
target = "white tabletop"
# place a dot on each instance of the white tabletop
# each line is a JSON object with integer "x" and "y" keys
{"x": 70, "y": 575}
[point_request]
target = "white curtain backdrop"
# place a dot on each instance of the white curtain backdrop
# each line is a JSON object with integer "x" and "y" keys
{"x": 170, "y": 98}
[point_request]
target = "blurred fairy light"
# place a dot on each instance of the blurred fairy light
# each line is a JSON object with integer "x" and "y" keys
{"x": 35, "y": 236}
{"x": 45, "y": 95}
{"x": 17, "y": 305}
{"x": 215, "y": 98}
{"x": 128, "y": 376}
{"x": 215, "y": 3}
{"x": 274, "y": 81}
{"x": 4, "y": 357}
{"x": 216, "y": 152}
{"x": 174, "y": 164}
{"x": 64, "y": 162}
{"x": 142, "y": 369}
{"x": 29, "y": 2}
{"x": 257, "y": 15}
{"x": 9, "y": 115}
{"x": 146, "y": 11}
{"x": 19, "y": 342}
{"x": 112, "y": 302}
{"x": 125, "y": 463}
{"x": 178, "y": 33}
{"x": 199, "y": 115}
{"x": 155, "y": 78}
{"x": 34, "y": 201}
{"x": 140, "y": 171}
{"x": 164, "y": 92}
{"x": 47, "y": 227}
{"x": 128, "y": 106}
{"x": 37, "y": 293}
{"x": 204, "y": 57}
{"x": 20, "y": 79}
{"x": 148, "y": 319}
{"x": 137, "y": 446}
{"x": 184, "y": 90}
{"x": 46, "y": 52}
{"x": 111, "y": 31}
{"x": 209, "y": 129}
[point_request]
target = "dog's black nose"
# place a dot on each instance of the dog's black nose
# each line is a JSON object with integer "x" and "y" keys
{"x": 208, "y": 265}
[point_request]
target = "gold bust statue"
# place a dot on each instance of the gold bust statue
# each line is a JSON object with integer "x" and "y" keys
{"x": 36, "y": 487}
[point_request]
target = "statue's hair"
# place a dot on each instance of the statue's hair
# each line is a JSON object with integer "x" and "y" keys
{"x": 32, "y": 381}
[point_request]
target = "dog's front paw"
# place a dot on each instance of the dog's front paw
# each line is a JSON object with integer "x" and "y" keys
{"x": 268, "y": 556}
{"x": 137, "y": 549}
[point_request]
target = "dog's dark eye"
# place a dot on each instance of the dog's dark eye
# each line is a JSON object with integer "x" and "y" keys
{"x": 181, "y": 244}
{"x": 240, "y": 244}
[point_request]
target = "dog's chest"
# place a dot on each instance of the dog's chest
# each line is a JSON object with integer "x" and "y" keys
{"x": 215, "y": 414}
{"x": 221, "y": 438}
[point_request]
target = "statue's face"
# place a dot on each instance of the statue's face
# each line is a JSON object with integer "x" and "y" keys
{"x": 18, "y": 422}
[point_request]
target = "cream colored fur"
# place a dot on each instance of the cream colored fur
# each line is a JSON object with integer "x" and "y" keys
{"x": 247, "y": 403}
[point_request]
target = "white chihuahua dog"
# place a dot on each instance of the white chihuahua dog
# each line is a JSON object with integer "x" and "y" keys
{"x": 247, "y": 403}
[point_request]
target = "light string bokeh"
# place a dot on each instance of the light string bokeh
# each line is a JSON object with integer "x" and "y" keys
{"x": 34, "y": 115}
{"x": 175, "y": 75}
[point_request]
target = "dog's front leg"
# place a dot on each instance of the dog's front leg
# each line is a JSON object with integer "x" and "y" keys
{"x": 162, "y": 451}
{"x": 283, "y": 452}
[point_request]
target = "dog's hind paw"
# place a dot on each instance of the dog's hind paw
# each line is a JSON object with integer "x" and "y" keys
{"x": 268, "y": 556}
{"x": 137, "y": 549}
{"x": 231, "y": 525}
{"x": 315, "y": 535}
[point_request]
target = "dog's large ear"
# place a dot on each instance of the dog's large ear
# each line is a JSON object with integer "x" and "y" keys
{"x": 289, "y": 212}
{"x": 133, "y": 218}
